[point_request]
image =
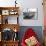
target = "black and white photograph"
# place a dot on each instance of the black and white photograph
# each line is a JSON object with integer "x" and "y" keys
{"x": 31, "y": 14}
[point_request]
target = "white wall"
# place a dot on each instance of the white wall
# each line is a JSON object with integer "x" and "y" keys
{"x": 24, "y": 4}
{"x": 32, "y": 4}
{"x": 7, "y": 3}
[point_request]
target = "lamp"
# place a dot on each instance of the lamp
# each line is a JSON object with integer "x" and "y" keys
{"x": 15, "y": 3}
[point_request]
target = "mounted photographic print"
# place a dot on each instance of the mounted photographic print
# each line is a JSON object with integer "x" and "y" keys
{"x": 12, "y": 20}
{"x": 5, "y": 12}
{"x": 31, "y": 14}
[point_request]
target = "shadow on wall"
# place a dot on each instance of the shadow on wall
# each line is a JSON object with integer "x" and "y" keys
{"x": 37, "y": 29}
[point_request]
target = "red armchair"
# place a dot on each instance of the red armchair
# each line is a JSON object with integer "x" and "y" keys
{"x": 29, "y": 33}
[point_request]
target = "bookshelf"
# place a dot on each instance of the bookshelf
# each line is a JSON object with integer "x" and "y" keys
{"x": 6, "y": 23}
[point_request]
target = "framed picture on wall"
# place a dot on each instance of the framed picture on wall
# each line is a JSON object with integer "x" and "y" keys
{"x": 31, "y": 14}
{"x": 5, "y": 12}
{"x": 13, "y": 20}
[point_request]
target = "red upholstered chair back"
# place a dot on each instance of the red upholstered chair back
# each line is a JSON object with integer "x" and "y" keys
{"x": 29, "y": 33}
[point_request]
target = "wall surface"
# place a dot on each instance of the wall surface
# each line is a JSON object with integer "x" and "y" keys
{"x": 31, "y": 4}
{"x": 7, "y": 3}
{"x": 24, "y": 4}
